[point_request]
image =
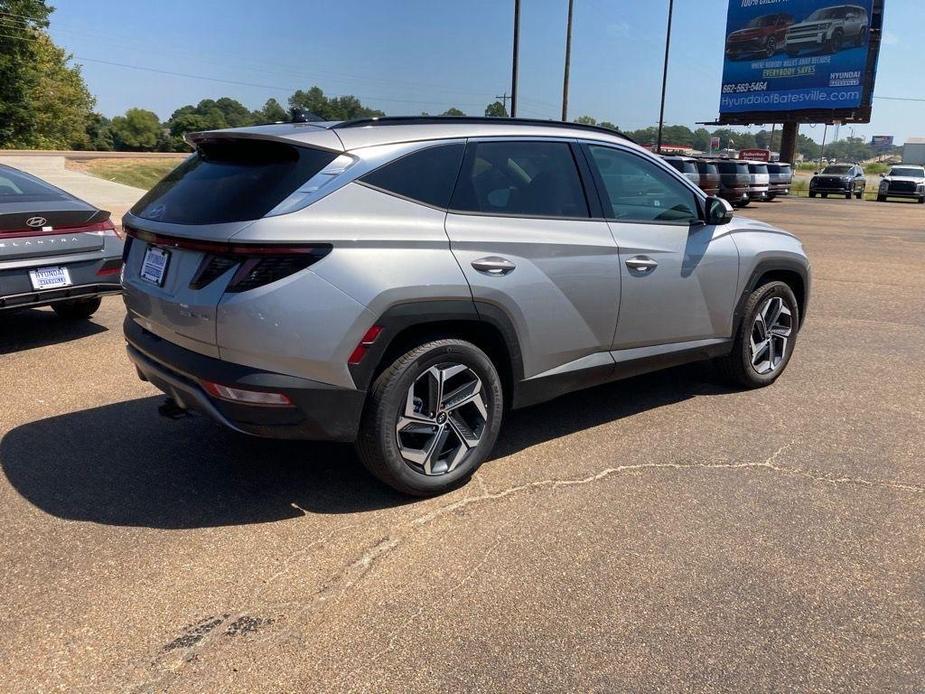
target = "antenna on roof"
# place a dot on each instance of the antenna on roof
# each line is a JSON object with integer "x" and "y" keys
{"x": 302, "y": 115}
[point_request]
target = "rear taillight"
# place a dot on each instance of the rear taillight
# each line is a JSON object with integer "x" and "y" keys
{"x": 106, "y": 228}
{"x": 257, "y": 264}
{"x": 246, "y": 397}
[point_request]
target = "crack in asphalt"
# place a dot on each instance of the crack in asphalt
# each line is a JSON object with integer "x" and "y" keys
{"x": 339, "y": 584}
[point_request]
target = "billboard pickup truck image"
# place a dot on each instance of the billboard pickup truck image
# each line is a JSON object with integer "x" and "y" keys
{"x": 798, "y": 55}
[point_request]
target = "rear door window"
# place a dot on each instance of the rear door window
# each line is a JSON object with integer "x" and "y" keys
{"x": 524, "y": 179}
{"x": 426, "y": 176}
{"x": 231, "y": 181}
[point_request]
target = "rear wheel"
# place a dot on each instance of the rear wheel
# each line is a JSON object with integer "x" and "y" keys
{"x": 765, "y": 339}
{"x": 825, "y": 195}
{"x": 881, "y": 198}
{"x": 812, "y": 195}
{"x": 432, "y": 417}
{"x": 78, "y": 308}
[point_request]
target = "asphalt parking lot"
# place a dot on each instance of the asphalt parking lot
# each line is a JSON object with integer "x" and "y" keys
{"x": 663, "y": 533}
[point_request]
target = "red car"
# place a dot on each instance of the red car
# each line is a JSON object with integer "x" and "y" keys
{"x": 763, "y": 36}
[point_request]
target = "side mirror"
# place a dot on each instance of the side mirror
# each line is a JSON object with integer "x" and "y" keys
{"x": 815, "y": 173}
{"x": 719, "y": 211}
{"x": 883, "y": 175}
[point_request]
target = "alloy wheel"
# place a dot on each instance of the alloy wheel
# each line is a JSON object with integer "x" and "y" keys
{"x": 443, "y": 420}
{"x": 770, "y": 335}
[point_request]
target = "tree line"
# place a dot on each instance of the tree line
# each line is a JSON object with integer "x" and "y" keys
{"x": 45, "y": 104}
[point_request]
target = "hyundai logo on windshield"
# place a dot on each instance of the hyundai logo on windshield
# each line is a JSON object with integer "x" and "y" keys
{"x": 36, "y": 222}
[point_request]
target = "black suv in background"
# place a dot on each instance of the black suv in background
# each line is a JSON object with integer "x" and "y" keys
{"x": 734, "y": 180}
{"x": 839, "y": 179}
{"x": 781, "y": 174}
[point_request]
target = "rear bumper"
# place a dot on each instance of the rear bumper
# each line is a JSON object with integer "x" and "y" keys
{"x": 53, "y": 296}
{"x": 779, "y": 189}
{"x": 320, "y": 411}
{"x": 734, "y": 195}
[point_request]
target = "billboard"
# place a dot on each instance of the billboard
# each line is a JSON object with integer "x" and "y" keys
{"x": 755, "y": 154}
{"x": 813, "y": 60}
{"x": 881, "y": 142}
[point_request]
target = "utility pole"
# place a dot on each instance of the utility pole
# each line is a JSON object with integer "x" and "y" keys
{"x": 504, "y": 97}
{"x": 771, "y": 144}
{"x": 568, "y": 60}
{"x": 515, "y": 58}
{"x": 661, "y": 116}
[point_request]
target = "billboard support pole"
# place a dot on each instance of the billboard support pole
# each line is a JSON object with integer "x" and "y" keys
{"x": 788, "y": 141}
{"x": 825, "y": 131}
{"x": 661, "y": 116}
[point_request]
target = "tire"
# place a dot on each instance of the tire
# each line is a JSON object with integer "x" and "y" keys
{"x": 739, "y": 366}
{"x": 812, "y": 195}
{"x": 849, "y": 194}
{"x": 881, "y": 198}
{"x": 745, "y": 203}
{"x": 834, "y": 44}
{"x": 859, "y": 194}
{"x": 825, "y": 195}
{"x": 405, "y": 383}
{"x": 78, "y": 309}
{"x": 922, "y": 201}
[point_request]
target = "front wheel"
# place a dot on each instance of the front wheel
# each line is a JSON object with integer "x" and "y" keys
{"x": 766, "y": 337}
{"x": 881, "y": 198}
{"x": 431, "y": 418}
{"x": 77, "y": 309}
{"x": 859, "y": 194}
{"x": 812, "y": 195}
{"x": 849, "y": 194}
{"x": 825, "y": 195}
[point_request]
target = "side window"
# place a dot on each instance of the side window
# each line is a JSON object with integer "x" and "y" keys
{"x": 528, "y": 179}
{"x": 427, "y": 175}
{"x": 640, "y": 191}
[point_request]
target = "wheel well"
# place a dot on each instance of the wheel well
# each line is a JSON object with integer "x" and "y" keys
{"x": 480, "y": 333}
{"x": 792, "y": 280}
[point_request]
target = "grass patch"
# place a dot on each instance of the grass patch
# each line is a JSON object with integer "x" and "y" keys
{"x": 138, "y": 173}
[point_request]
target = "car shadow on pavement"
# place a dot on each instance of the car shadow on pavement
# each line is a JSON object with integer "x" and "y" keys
{"x": 31, "y": 328}
{"x": 124, "y": 465}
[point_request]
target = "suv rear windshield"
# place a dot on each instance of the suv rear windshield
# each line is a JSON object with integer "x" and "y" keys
{"x": 17, "y": 187}
{"x": 707, "y": 168}
{"x": 758, "y": 168}
{"x": 231, "y": 181}
{"x": 730, "y": 167}
{"x": 779, "y": 168}
{"x": 682, "y": 165}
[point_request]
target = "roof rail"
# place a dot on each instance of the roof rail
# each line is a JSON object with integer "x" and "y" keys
{"x": 423, "y": 120}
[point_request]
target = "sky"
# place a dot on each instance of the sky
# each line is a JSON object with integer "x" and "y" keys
{"x": 409, "y": 56}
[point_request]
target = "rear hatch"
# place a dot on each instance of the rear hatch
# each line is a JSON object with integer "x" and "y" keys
{"x": 181, "y": 259}
{"x": 734, "y": 174}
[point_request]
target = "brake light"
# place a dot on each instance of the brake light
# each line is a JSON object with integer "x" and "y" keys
{"x": 365, "y": 343}
{"x": 257, "y": 264}
{"x": 246, "y": 397}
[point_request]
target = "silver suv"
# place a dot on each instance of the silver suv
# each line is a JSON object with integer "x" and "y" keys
{"x": 401, "y": 282}
{"x": 829, "y": 29}
{"x": 903, "y": 181}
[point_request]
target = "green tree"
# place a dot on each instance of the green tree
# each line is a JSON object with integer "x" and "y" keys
{"x": 61, "y": 101}
{"x": 99, "y": 133}
{"x": 701, "y": 140}
{"x": 496, "y": 110}
{"x": 586, "y": 120}
{"x": 18, "y": 77}
{"x": 44, "y": 102}
{"x": 137, "y": 130}
{"x": 608, "y": 124}
{"x": 453, "y": 111}
{"x": 336, "y": 108}
{"x": 272, "y": 112}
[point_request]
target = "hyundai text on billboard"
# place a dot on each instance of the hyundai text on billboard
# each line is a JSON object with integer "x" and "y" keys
{"x": 800, "y": 56}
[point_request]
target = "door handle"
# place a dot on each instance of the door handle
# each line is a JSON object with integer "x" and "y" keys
{"x": 494, "y": 265}
{"x": 641, "y": 263}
